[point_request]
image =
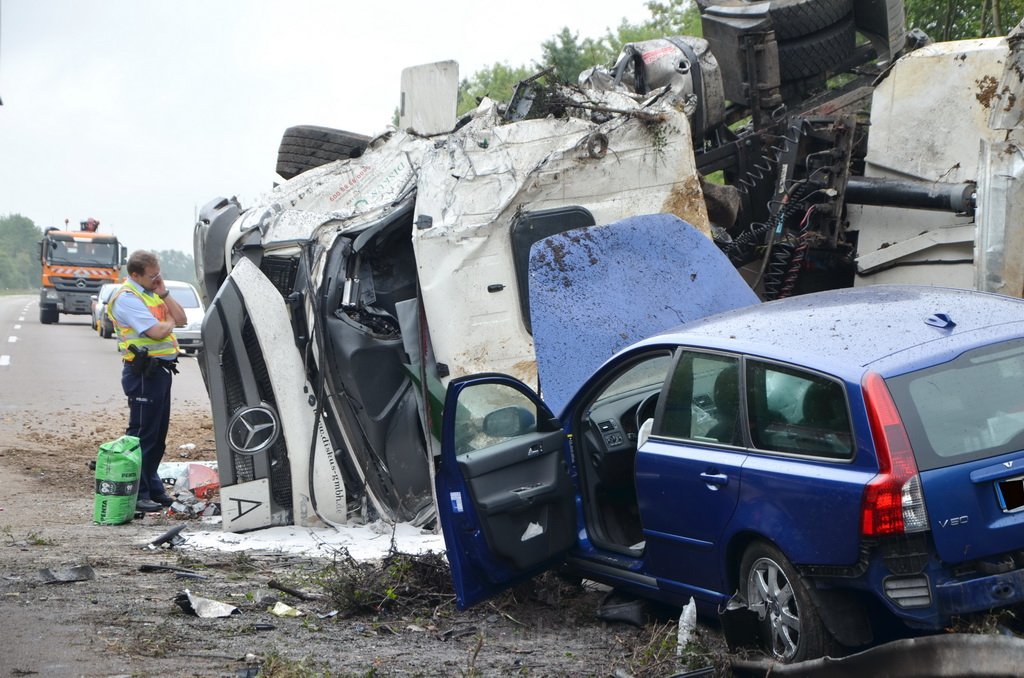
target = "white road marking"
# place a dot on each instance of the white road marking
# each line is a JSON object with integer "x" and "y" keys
{"x": 5, "y": 360}
{"x": 17, "y": 327}
{"x": 11, "y": 340}
{"x": 21, "y": 319}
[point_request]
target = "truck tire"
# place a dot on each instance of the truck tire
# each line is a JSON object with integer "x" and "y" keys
{"x": 794, "y": 18}
{"x": 307, "y": 146}
{"x": 48, "y": 315}
{"x": 818, "y": 52}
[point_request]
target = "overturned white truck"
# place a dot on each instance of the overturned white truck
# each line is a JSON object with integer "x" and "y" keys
{"x": 343, "y": 301}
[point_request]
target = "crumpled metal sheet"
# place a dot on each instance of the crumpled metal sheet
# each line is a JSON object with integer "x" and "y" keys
{"x": 476, "y": 184}
{"x": 345, "y": 193}
{"x": 67, "y": 575}
{"x": 928, "y": 118}
{"x": 204, "y": 607}
{"x": 1010, "y": 90}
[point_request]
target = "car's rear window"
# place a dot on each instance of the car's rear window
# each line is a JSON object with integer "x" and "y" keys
{"x": 184, "y": 295}
{"x": 969, "y": 408}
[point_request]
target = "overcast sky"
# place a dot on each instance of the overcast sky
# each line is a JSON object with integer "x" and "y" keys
{"x": 138, "y": 112}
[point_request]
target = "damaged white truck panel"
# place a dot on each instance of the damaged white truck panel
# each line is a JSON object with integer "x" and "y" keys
{"x": 937, "y": 134}
{"x": 475, "y": 186}
{"x": 318, "y": 495}
{"x": 346, "y": 193}
{"x": 999, "y": 252}
{"x": 329, "y": 271}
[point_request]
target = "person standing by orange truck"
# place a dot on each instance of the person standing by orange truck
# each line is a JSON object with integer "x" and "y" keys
{"x": 144, "y": 315}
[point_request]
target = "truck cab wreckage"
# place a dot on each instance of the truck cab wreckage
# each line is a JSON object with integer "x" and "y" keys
{"x": 342, "y": 302}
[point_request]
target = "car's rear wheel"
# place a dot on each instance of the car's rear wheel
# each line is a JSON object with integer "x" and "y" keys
{"x": 791, "y": 626}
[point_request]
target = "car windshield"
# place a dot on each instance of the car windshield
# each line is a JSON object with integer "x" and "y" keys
{"x": 969, "y": 408}
{"x": 644, "y": 375}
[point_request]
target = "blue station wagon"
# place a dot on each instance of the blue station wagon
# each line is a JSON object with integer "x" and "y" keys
{"x": 825, "y": 459}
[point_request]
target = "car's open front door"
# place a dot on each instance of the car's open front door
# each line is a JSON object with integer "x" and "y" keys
{"x": 505, "y": 500}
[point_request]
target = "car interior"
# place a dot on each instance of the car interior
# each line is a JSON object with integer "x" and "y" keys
{"x": 607, "y": 452}
{"x": 788, "y": 411}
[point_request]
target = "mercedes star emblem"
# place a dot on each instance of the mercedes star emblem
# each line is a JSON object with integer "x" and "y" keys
{"x": 253, "y": 429}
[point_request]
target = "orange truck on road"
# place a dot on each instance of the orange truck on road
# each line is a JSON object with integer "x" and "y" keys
{"x": 75, "y": 265}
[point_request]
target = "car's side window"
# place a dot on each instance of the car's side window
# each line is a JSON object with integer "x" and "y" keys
{"x": 799, "y": 412}
{"x": 703, "y": 400}
{"x": 489, "y": 414}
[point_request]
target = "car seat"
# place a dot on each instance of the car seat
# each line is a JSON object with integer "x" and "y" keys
{"x": 727, "y": 404}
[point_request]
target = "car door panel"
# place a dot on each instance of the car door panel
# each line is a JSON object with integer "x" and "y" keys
{"x": 506, "y": 502}
{"x": 688, "y": 493}
{"x": 519, "y": 491}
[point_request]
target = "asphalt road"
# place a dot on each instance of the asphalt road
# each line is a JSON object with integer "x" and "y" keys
{"x": 61, "y": 369}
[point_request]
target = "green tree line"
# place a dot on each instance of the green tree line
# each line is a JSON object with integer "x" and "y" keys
{"x": 569, "y": 55}
{"x": 19, "y": 253}
{"x": 20, "y": 268}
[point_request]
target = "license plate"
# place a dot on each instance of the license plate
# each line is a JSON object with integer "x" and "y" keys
{"x": 1011, "y": 494}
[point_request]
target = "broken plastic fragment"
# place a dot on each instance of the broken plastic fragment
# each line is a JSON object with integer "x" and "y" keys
{"x": 280, "y": 609}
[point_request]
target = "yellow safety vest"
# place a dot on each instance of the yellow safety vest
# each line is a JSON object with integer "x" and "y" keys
{"x": 126, "y": 336}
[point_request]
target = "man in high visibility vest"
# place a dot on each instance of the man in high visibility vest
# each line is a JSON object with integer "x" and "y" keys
{"x": 144, "y": 315}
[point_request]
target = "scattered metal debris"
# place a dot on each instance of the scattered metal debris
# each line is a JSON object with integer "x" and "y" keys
{"x": 181, "y": 572}
{"x": 67, "y": 575}
{"x": 168, "y": 539}
{"x": 204, "y": 607}
{"x": 954, "y": 654}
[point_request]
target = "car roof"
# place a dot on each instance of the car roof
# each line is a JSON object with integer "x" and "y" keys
{"x": 844, "y": 331}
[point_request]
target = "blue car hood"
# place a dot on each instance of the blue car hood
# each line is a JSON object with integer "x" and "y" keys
{"x": 596, "y": 290}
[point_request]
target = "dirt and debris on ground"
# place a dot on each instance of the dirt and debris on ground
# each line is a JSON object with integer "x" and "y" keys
{"x": 78, "y": 599}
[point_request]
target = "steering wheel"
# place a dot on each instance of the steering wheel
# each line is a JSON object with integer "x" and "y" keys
{"x": 645, "y": 410}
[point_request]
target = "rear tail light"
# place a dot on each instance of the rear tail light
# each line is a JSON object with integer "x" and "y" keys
{"x": 893, "y": 502}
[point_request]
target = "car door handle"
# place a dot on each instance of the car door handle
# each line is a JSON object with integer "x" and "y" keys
{"x": 714, "y": 480}
{"x": 530, "y": 492}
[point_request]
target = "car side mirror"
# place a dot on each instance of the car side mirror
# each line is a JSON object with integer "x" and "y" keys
{"x": 509, "y": 422}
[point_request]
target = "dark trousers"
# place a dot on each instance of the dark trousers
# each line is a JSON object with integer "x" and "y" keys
{"x": 149, "y": 414}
